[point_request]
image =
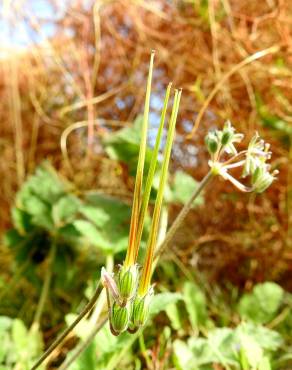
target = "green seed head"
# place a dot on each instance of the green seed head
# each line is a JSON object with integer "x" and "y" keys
{"x": 212, "y": 142}
{"x": 227, "y": 134}
{"x": 127, "y": 282}
{"x": 119, "y": 318}
{"x": 140, "y": 309}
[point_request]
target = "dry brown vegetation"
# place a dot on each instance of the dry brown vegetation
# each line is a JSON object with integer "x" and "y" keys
{"x": 89, "y": 79}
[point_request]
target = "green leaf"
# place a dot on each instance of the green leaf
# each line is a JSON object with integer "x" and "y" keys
{"x": 37, "y": 196}
{"x": 262, "y": 304}
{"x": 39, "y": 210}
{"x": 87, "y": 360}
{"x": 264, "y": 364}
{"x": 111, "y": 350}
{"x": 195, "y": 302}
{"x": 268, "y": 339}
{"x": 109, "y": 222}
{"x": 27, "y": 345}
{"x": 173, "y": 314}
{"x": 21, "y": 220}
{"x": 45, "y": 184}
{"x": 184, "y": 356}
{"x": 12, "y": 238}
{"x": 162, "y": 300}
{"x": 97, "y": 215}
{"x": 182, "y": 187}
{"x": 5, "y": 326}
{"x": 90, "y": 232}
{"x": 251, "y": 349}
{"x": 65, "y": 209}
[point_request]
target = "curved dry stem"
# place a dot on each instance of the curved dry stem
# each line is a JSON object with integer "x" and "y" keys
{"x": 75, "y": 126}
{"x": 218, "y": 86}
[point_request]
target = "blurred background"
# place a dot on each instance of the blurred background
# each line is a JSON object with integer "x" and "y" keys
{"x": 72, "y": 89}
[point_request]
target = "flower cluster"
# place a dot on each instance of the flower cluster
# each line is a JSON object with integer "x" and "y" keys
{"x": 129, "y": 292}
{"x": 253, "y": 160}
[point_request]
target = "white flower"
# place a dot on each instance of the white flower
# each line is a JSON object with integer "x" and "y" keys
{"x": 257, "y": 153}
{"x": 253, "y": 160}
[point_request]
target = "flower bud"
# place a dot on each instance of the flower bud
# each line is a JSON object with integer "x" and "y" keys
{"x": 119, "y": 318}
{"x": 140, "y": 309}
{"x": 127, "y": 282}
{"x": 227, "y": 134}
{"x": 212, "y": 142}
{"x": 109, "y": 283}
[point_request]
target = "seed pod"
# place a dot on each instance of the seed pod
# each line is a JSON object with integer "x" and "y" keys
{"x": 227, "y": 134}
{"x": 263, "y": 182}
{"x": 127, "y": 283}
{"x": 262, "y": 178}
{"x": 256, "y": 174}
{"x": 119, "y": 318}
{"x": 212, "y": 142}
{"x": 140, "y": 309}
{"x": 226, "y": 137}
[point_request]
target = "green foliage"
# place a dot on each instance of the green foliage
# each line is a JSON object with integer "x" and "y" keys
{"x": 48, "y": 212}
{"x": 182, "y": 187}
{"x": 195, "y": 302}
{"x": 108, "y": 222}
{"x": 19, "y": 346}
{"x": 262, "y": 304}
{"x": 248, "y": 346}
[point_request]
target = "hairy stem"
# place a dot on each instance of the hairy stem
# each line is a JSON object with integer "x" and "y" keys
{"x": 181, "y": 216}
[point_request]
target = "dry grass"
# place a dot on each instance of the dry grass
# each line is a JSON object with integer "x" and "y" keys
{"x": 78, "y": 87}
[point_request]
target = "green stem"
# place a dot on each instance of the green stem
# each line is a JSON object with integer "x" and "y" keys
{"x": 144, "y": 350}
{"x": 60, "y": 339}
{"x": 46, "y": 285}
{"x": 181, "y": 216}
